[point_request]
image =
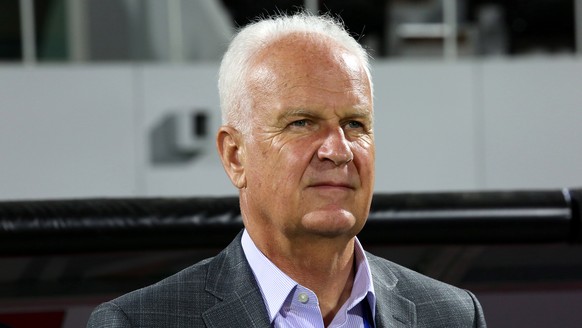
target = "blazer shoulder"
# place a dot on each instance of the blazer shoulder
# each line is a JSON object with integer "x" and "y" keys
{"x": 437, "y": 304}
{"x": 108, "y": 315}
{"x": 409, "y": 281}
{"x": 181, "y": 284}
{"x": 178, "y": 298}
{"x": 183, "y": 298}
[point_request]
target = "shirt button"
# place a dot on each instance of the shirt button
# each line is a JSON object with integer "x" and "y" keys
{"x": 303, "y": 298}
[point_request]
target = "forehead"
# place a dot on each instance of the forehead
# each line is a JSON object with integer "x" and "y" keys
{"x": 299, "y": 63}
{"x": 303, "y": 53}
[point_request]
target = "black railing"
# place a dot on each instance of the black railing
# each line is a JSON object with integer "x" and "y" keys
{"x": 89, "y": 225}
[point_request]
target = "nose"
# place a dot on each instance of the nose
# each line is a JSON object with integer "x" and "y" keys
{"x": 335, "y": 147}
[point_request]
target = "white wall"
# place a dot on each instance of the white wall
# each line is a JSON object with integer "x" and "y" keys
{"x": 531, "y": 123}
{"x": 425, "y": 135}
{"x": 68, "y": 131}
{"x": 174, "y": 88}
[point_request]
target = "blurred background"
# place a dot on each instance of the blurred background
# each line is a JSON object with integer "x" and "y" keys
{"x": 118, "y": 98}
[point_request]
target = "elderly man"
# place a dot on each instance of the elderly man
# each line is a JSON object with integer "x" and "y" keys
{"x": 298, "y": 143}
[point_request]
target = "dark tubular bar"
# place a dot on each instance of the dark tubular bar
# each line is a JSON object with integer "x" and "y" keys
{"x": 70, "y": 226}
{"x": 476, "y": 217}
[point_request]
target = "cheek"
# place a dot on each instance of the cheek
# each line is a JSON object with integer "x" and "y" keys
{"x": 365, "y": 156}
{"x": 365, "y": 149}
{"x": 296, "y": 155}
{"x": 275, "y": 166}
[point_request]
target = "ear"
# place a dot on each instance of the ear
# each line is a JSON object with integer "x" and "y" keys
{"x": 230, "y": 146}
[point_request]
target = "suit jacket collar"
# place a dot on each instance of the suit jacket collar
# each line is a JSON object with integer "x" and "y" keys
{"x": 392, "y": 309}
{"x": 231, "y": 280}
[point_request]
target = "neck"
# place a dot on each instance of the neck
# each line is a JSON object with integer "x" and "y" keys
{"x": 324, "y": 265}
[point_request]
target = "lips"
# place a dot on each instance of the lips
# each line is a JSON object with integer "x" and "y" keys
{"x": 331, "y": 185}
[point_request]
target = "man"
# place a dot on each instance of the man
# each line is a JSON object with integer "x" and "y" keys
{"x": 297, "y": 142}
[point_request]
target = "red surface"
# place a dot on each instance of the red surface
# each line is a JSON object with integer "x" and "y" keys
{"x": 32, "y": 320}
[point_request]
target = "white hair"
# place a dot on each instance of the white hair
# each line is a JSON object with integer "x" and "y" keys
{"x": 235, "y": 100}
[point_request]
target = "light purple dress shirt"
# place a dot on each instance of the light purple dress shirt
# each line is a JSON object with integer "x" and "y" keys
{"x": 291, "y": 305}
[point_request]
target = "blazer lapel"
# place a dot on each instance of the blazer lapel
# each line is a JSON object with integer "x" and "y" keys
{"x": 242, "y": 311}
{"x": 240, "y": 303}
{"x": 392, "y": 309}
{"x": 231, "y": 280}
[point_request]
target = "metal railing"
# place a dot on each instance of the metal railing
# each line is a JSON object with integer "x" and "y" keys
{"x": 466, "y": 218}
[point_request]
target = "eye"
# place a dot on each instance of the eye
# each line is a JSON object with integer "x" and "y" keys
{"x": 354, "y": 125}
{"x": 299, "y": 123}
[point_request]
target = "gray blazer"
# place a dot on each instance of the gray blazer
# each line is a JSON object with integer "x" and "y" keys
{"x": 222, "y": 292}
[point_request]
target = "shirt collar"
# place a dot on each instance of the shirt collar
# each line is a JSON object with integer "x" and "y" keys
{"x": 276, "y": 286}
{"x": 363, "y": 284}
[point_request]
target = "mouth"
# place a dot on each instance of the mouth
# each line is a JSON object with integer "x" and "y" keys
{"x": 332, "y": 186}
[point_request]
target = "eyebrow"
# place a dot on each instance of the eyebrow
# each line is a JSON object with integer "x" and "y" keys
{"x": 367, "y": 116}
{"x": 303, "y": 112}
{"x": 295, "y": 112}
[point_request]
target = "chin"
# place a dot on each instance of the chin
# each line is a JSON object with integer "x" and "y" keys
{"x": 332, "y": 223}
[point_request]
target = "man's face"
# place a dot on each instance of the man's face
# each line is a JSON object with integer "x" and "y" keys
{"x": 309, "y": 157}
